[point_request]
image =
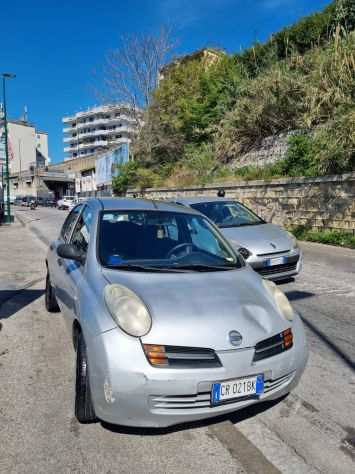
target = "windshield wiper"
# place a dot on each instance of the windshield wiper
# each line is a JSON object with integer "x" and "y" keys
{"x": 244, "y": 224}
{"x": 203, "y": 267}
{"x": 144, "y": 268}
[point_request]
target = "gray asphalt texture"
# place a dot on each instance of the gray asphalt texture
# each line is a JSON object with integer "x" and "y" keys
{"x": 310, "y": 431}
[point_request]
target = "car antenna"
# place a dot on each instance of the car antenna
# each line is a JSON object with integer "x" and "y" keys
{"x": 221, "y": 193}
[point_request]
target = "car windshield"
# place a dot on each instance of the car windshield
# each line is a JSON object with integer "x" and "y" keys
{"x": 228, "y": 213}
{"x": 146, "y": 240}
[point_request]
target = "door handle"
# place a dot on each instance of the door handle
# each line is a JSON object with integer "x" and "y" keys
{"x": 60, "y": 262}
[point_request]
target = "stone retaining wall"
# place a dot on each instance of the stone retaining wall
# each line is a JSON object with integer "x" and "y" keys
{"x": 320, "y": 203}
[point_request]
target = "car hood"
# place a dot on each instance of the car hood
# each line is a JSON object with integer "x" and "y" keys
{"x": 199, "y": 309}
{"x": 259, "y": 239}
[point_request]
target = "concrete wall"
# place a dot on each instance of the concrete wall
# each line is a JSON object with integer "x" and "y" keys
{"x": 42, "y": 144}
{"x": 320, "y": 203}
{"x": 22, "y": 144}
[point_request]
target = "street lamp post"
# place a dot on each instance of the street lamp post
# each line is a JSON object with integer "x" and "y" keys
{"x": 8, "y": 218}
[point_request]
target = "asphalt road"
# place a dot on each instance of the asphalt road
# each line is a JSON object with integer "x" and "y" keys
{"x": 310, "y": 431}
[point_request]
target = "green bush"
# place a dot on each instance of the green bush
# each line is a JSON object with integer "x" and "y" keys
{"x": 308, "y": 32}
{"x": 299, "y": 159}
{"x": 131, "y": 175}
{"x": 330, "y": 237}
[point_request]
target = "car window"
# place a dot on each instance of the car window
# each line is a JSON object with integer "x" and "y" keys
{"x": 204, "y": 239}
{"x": 81, "y": 235}
{"x": 162, "y": 239}
{"x": 228, "y": 213}
{"x": 69, "y": 223}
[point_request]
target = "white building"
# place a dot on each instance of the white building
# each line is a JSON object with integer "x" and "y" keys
{"x": 27, "y": 146}
{"x": 98, "y": 129}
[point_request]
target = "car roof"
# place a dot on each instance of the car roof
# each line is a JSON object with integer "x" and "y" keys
{"x": 111, "y": 204}
{"x": 197, "y": 200}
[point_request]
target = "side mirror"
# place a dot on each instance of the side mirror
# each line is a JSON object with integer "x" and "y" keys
{"x": 70, "y": 252}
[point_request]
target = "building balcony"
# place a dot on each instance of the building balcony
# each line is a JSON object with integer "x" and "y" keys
{"x": 100, "y": 121}
{"x": 95, "y": 133}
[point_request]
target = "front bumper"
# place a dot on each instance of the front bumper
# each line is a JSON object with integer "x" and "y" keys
{"x": 291, "y": 266}
{"x": 126, "y": 390}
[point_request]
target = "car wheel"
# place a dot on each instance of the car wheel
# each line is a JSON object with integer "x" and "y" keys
{"x": 84, "y": 409}
{"x": 50, "y": 299}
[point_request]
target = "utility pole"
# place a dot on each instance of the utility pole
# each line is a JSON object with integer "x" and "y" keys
{"x": 8, "y": 217}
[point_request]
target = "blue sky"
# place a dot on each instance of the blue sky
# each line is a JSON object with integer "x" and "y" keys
{"x": 55, "y": 47}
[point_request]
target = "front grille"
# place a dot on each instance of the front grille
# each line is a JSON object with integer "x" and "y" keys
{"x": 270, "y": 385}
{"x": 201, "y": 400}
{"x": 270, "y": 347}
{"x": 270, "y": 254}
{"x": 286, "y": 267}
{"x": 191, "y": 357}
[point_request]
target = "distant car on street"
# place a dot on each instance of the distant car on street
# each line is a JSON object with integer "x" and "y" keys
{"x": 169, "y": 323}
{"x": 18, "y": 201}
{"x": 66, "y": 203}
{"x": 28, "y": 200}
{"x": 270, "y": 250}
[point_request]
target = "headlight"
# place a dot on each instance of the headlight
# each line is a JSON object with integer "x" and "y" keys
{"x": 127, "y": 310}
{"x": 281, "y": 299}
{"x": 293, "y": 240}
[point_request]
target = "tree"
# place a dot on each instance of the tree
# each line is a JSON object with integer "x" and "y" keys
{"x": 131, "y": 71}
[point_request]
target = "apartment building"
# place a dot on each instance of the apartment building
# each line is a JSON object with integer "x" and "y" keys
{"x": 98, "y": 129}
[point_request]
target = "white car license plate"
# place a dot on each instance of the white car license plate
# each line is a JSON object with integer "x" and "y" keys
{"x": 237, "y": 388}
{"x": 276, "y": 261}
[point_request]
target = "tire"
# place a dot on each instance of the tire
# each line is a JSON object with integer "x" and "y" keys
{"x": 84, "y": 408}
{"x": 50, "y": 299}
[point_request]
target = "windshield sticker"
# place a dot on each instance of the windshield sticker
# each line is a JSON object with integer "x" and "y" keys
{"x": 115, "y": 260}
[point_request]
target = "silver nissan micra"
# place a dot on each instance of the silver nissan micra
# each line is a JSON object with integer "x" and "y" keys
{"x": 168, "y": 322}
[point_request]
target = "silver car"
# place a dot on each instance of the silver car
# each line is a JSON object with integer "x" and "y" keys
{"x": 271, "y": 250}
{"x": 168, "y": 323}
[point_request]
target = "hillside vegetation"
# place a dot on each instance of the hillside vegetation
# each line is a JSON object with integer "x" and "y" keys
{"x": 202, "y": 119}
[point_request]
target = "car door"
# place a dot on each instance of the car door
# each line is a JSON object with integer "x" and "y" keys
{"x": 55, "y": 263}
{"x": 75, "y": 271}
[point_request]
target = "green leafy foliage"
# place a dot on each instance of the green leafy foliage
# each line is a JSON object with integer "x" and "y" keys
{"x": 203, "y": 118}
{"x": 300, "y": 158}
{"x": 131, "y": 174}
{"x": 330, "y": 237}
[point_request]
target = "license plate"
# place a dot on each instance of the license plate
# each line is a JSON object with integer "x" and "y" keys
{"x": 237, "y": 388}
{"x": 276, "y": 261}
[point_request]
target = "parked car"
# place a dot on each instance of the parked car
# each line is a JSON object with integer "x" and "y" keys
{"x": 28, "y": 200}
{"x": 66, "y": 203}
{"x": 50, "y": 202}
{"x": 270, "y": 250}
{"x": 169, "y": 323}
{"x": 18, "y": 201}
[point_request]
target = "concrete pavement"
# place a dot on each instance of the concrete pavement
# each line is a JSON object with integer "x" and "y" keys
{"x": 312, "y": 430}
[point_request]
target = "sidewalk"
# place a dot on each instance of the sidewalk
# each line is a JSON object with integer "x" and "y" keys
{"x": 21, "y": 260}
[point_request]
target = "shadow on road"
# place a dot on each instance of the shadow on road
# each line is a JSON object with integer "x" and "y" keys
{"x": 12, "y": 301}
{"x": 234, "y": 417}
{"x": 296, "y": 295}
{"x": 349, "y": 362}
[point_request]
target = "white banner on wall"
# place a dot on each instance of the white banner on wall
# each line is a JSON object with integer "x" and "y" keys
{"x": 106, "y": 164}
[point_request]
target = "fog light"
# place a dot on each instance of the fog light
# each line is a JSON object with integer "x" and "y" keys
{"x": 156, "y": 355}
{"x": 245, "y": 253}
